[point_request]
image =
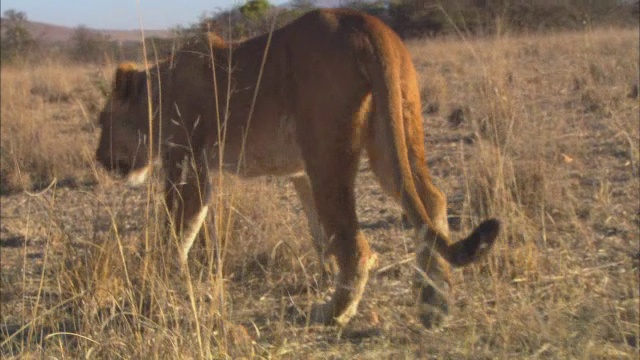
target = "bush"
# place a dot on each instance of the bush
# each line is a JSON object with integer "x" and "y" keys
{"x": 417, "y": 18}
{"x": 17, "y": 42}
{"x": 88, "y": 45}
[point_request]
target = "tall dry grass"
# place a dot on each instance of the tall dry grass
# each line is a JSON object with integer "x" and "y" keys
{"x": 555, "y": 132}
{"x": 48, "y": 126}
{"x": 543, "y": 135}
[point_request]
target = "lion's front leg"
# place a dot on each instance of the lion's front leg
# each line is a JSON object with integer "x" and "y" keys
{"x": 187, "y": 194}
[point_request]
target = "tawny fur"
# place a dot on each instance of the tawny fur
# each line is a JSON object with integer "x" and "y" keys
{"x": 330, "y": 84}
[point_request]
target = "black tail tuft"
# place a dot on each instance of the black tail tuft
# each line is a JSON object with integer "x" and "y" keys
{"x": 476, "y": 245}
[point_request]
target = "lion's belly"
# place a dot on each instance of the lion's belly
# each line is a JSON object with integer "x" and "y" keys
{"x": 272, "y": 149}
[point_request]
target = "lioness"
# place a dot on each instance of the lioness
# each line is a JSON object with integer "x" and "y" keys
{"x": 301, "y": 102}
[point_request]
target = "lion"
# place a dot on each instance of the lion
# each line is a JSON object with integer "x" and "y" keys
{"x": 303, "y": 102}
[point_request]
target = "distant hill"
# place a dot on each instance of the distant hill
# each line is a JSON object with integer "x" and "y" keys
{"x": 56, "y": 33}
{"x": 49, "y": 33}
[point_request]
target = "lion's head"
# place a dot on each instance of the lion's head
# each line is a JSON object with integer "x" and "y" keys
{"x": 124, "y": 140}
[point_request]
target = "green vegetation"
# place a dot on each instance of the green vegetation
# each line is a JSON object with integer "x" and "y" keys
{"x": 16, "y": 39}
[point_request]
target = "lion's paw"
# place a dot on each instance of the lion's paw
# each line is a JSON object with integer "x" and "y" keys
{"x": 324, "y": 313}
{"x": 433, "y": 307}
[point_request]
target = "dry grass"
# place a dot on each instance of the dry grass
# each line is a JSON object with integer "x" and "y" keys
{"x": 48, "y": 127}
{"x": 545, "y": 137}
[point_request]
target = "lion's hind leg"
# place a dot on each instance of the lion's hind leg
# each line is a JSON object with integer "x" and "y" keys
{"x": 332, "y": 178}
{"x": 336, "y": 210}
{"x": 433, "y": 274}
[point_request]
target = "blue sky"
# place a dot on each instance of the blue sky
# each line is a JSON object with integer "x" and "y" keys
{"x": 119, "y": 14}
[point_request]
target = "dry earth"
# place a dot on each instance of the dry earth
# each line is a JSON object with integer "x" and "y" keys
{"x": 540, "y": 131}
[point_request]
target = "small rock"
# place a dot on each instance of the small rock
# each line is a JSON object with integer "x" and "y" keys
{"x": 566, "y": 158}
{"x": 372, "y": 318}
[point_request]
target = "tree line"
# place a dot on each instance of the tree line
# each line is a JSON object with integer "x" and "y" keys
{"x": 419, "y": 18}
{"x": 409, "y": 18}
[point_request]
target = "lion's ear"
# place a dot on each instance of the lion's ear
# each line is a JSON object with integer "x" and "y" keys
{"x": 125, "y": 81}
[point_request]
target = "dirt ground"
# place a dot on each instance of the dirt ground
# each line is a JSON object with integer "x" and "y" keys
{"x": 540, "y": 131}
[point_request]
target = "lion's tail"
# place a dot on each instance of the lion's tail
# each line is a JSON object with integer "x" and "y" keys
{"x": 387, "y": 92}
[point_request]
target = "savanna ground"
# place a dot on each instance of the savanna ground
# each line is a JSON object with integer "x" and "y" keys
{"x": 540, "y": 131}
